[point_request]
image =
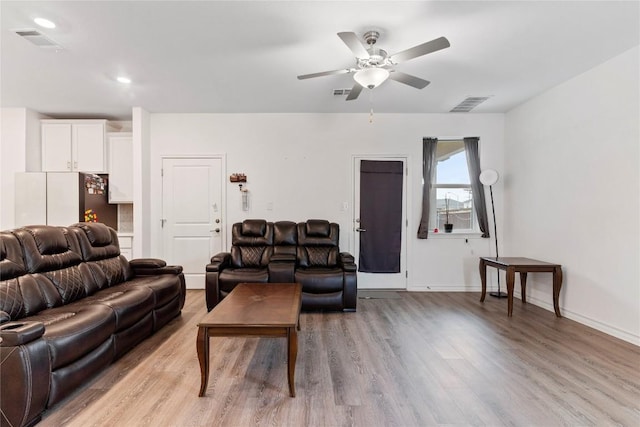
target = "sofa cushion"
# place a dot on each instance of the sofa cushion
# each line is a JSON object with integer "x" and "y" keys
{"x": 318, "y": 233}
{"x": 47, "y": 248}
{"x": 99, "y": 247}
{"x": 265, "y": 238}
{"x": 99, "y": 235}
{"x": 230, "y": 277}
{"x": 317, "y": 228}
{"x": 96, "y": 241}
{"x": 320, "y": 280}
{"x": 317, "y": 256}
{"x": 129, "y": 303}
{"x": 285, "y": 233}
{"x": 73, "y": 330}
{"x": 250, "y": 256}
{"x": 254, "y": 227}
{"x": 11, "y": 262}
{"x": 165, "y": 287}
{"x": 11, "y": 301}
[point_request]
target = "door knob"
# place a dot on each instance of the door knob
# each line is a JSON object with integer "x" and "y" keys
{"x": 217, "y": 230}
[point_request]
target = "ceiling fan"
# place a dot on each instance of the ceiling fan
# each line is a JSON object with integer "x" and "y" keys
{"x": 374, "y": 66}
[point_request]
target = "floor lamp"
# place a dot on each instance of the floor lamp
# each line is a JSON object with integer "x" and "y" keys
{"x": 490, "y": 177}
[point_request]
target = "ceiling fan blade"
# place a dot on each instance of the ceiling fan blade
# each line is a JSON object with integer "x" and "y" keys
{"x": 355, "y": 92}
{"x": 352, "y": 42}
{"x": 408, "y": 79}
{"x": 324, "y": 73}
{"x": 422, "y": 49}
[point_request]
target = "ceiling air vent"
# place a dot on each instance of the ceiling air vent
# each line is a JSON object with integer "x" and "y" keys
{"x": 469, "y": 104}
{"x": 340, "y": 92}
{"x": 37, "y": 38}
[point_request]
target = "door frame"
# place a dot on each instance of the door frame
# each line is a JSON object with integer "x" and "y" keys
{"x": 353, "y": 235}
{"x": 223, "y": 195}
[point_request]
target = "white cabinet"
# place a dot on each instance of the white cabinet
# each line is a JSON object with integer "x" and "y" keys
{"x": 63, "y": 198}
{"x": 74, "y": 145}
{"x": 120, "y": 167}
{"x": 47, "y": 198}
{"x": 126, "y": 245}
{"x": 30, "y": 198}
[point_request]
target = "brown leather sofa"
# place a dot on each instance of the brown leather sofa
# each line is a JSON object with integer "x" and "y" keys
{"x": 285, "y": 252}
{"x": 69, "y": 306}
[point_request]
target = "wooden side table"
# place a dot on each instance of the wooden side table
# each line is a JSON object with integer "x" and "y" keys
{"x": 522, "y": 266}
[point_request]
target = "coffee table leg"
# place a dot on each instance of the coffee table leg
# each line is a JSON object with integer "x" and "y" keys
{"x": 202, "y": 345}
{"x": 292, "y": 340}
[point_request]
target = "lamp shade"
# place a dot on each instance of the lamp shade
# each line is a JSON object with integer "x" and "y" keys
{"x": 371, "y": 77}
{"x": 488, "y": 177}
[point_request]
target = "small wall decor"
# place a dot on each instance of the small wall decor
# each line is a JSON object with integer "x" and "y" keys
{"x": 245, "y": 197}
{"x": 238, "y": 177}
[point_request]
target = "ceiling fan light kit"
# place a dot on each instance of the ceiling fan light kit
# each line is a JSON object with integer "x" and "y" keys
{"x": 374, "y": 66}
{"x": 371, "y": 77}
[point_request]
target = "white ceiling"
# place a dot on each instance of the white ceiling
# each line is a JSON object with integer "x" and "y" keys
{"x": 244, "y": 56}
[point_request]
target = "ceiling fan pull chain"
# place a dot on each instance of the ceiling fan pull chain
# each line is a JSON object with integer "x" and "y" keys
{"x": 371, "y": 105}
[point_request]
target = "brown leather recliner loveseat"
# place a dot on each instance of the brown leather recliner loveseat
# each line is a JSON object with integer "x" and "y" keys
{"x": 69, "y": 306}
{"x": 285, "y": 252}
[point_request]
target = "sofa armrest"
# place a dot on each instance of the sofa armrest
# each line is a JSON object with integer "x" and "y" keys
{"x": 13, "y": 334}
{"x": 4, "y": 317}
{"x": 347, "y": 261}
{"x": 219, "y": 262}
{"x": 212, "y": 291}
{"x": 282, "y": 268}
{"x": 26, "y": 372}
{"x": 282, "y": 258}
{"x": 147, "y": 263}
{"x": 153, "y": 267}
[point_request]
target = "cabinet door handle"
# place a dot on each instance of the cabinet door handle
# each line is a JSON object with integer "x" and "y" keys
{"x": 69, "y": 165}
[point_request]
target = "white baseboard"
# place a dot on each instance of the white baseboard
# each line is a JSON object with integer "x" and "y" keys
{"x": 587, "y": 321}
{"x": 546, "y": 304}
{"x": 443, "y": 288}
{"x": 194, "y": 281}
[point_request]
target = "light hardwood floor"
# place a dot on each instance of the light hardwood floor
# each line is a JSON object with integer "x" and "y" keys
{"x": 423, "y": 359}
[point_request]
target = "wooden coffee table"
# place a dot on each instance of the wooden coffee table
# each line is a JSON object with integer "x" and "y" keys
{"x": 253, "y": 309}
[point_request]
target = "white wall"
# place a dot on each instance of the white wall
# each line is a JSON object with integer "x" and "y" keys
{"x": 572, "y": 193}
{"x": 302, "y": 164}
{"x": 20, "y": 151}
{"x": 141, "y": 182}
{"x": 12, "y": 159}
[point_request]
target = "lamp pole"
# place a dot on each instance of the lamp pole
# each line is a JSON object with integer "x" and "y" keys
{"x": 490, "y": 177}
{"x": 495, "y": 235}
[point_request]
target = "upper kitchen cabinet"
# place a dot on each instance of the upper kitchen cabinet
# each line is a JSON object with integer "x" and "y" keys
{"x": 74, "y": 145}
{"x": 120, "y": 167}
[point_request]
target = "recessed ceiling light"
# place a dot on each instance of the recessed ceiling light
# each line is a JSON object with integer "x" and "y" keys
{"x": 125, "y": 80}
{"x": 44, "y": 23}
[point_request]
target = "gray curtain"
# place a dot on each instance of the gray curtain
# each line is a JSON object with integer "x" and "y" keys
{"x": 429, "y": 147}
{"x": 477, "y": 189}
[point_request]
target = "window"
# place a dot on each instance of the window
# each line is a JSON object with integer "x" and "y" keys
{"x": 451, "y": 190}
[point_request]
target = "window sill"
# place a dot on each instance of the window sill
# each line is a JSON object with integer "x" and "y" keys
{"x": 454, "y": 235}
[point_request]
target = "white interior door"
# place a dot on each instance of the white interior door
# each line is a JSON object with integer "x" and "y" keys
{"x": 368, "y": 280}
{"x": 192, "y": 214}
